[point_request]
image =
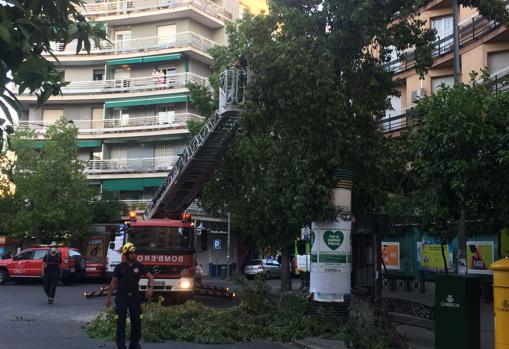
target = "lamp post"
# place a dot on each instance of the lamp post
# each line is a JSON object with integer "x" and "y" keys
{"x": 228, "y": 248}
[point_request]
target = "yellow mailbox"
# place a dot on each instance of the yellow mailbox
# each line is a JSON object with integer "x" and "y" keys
{"x": 501, "y": 302}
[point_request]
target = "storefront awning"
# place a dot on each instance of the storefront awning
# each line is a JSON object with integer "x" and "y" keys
{"x": 148, "y": 59}
{"x": 39, "y": 144}
{"x": 89, "y": 144}
{"x": 147, "y": 101}
{"x": 131, "y": 184}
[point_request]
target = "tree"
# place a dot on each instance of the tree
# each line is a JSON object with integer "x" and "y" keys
{"x": 460, "y": 149}
{"x": 317, "y": 88}
{"x": 27, "y": 29}
{"x": 51, "y": 201}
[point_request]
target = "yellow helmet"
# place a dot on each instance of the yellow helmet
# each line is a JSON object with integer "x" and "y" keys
{"x": 128, "y": 248}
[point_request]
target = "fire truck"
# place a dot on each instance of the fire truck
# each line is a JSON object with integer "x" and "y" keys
{"x": 166, "y": 240}
{"x": 167, "y": 248}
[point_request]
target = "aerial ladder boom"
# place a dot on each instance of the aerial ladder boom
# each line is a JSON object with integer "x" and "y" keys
{"x": 204, "y": 152}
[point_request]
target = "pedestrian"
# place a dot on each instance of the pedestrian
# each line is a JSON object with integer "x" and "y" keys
{"x": 155, "y": 76}
{"x": 126, "y": 278}
{"x": 161, "y": 78}
{"x": 51, "y": 271}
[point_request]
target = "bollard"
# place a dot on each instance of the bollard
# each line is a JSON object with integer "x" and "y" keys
{"x": 501, "y": 302}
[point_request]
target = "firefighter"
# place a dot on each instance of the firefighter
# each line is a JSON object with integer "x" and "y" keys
{"x": 126, "y": 278}
{"x": 51, "y": 271}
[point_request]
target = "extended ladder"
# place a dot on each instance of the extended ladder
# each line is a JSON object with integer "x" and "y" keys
{"x": 203, "y": 153}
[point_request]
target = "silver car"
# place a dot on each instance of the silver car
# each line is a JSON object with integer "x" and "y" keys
{"x": 266, "y": 267}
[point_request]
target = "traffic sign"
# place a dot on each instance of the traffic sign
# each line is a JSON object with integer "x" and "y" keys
{"x": 217, "y": 244}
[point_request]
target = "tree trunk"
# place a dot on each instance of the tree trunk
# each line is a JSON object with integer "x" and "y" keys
{"x": 462, "y": 242}
{"x": 446, "y": 269}
{"x": 286, "y": 280}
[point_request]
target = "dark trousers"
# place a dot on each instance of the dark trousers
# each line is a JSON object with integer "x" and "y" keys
{"x": 122, "y": 303}
{"x": 49, "y": 283}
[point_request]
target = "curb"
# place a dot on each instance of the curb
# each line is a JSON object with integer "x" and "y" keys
{"x": 306, "y": 345}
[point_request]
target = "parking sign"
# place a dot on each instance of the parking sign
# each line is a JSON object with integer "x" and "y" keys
{"x": 217, "y": 244}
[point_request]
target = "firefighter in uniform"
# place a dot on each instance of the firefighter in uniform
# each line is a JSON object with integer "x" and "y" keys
{"x": 126, "y": 277}
{"x": 51, "y": 271}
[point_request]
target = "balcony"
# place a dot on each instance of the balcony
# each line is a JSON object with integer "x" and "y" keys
{"x": 147, "y": 83}
{"x": 150, "y": 43}
{"x": 121, "y": 125}
{"x": 142, "y": 165}
{"x": 108, "y": 9}
{"x": 498, "y": 82}
{"x": 470, "y": 30}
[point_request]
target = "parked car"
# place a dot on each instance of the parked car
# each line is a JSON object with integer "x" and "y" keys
{"x": 28, "y": 264}
{"x": 96, "y": 268}
{"x": 262, "y": 266}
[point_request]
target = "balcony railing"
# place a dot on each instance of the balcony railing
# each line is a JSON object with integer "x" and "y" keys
{"x": 134, "y": 204}
{"x": 121, "y": 125}
{"x": 469, "y": 31}
{"x": 498, "y": 83}
{"x": 123, "y": 7}
{"x": 150, "y": 43}
{"x": 147, "y": 83}
{"x": 142, "y": 165}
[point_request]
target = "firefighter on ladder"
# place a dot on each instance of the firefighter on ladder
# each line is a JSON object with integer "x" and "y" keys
{"x": 126, "y": 278}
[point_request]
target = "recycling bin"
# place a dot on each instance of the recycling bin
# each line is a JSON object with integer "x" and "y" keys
{"x": 501, "y": 302}
{"x": 457, "y": 321}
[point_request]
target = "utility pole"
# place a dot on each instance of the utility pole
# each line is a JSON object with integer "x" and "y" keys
{"x": 228, "y": 249}
{"x": 457, "y": 63}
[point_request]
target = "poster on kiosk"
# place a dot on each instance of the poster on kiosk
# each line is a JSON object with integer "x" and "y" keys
{"x": 330, "y": 260}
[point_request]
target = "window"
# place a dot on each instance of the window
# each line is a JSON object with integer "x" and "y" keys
{"x": 166, "y": 35}
{"x": 161, "y": 239}
{"x": 39, "y": 254}
{"x": 498, "y": 61}
{"x": 163, "y": 150}
{"x": 123, "y": 40}
{"x": 49, "y": 116}
{"x": 73, "y": 253}
{"x": 97, "y": 118}
{"x": 165, "y": 115}
{"x": 444, "y": 30}
{"x": 436, "y": 83}
{"x": 24, "y": 255}
{"x": 98, "y": 74}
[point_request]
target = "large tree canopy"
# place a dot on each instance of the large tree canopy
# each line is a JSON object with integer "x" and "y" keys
{"x": 317, "y": 89}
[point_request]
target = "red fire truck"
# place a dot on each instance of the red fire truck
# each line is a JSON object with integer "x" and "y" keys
{"x": 168, "y": 249}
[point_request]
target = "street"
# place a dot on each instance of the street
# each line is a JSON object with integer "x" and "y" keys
{"x": 27, "y": 321}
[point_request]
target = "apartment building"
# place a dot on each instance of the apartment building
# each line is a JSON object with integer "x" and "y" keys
{"x": 483, "y": 44}
{"x": 128, "y": 97}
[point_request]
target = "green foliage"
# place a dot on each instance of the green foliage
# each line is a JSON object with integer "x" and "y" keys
{"x": 363, "y": 331}
{"x": 27, "y": 28}
{"x": 107, "y": 209}
{"x": 261, "y": 316}
{"x": 458, "y": 160}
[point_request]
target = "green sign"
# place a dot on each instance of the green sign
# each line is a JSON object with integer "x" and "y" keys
{"x": 333, "y": 239}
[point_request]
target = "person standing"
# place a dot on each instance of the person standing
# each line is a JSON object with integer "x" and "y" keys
{"x": 51, "y": 271}
{"x": 126, "y": 278}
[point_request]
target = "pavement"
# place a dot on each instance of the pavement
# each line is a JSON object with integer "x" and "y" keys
{"x": 27, "y": 321}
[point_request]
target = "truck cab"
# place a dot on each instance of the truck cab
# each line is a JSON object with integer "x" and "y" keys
{"x": 167, "y": 248}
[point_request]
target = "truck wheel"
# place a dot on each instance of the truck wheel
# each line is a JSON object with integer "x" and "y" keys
{"x": 3, "y": 277}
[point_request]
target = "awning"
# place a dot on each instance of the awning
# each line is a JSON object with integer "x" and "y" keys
{"x": 162, "y": 58}
{"x": 131, "y": 184}
{"x": 124, "y": 61}
{"x": 39, "y": 144}
{"x": 89, "y": 144}
{"x": 147, "y": 101}
{"x": 148, "y": 59}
